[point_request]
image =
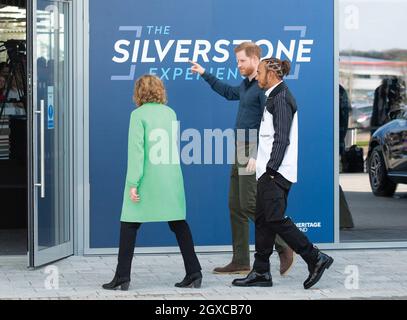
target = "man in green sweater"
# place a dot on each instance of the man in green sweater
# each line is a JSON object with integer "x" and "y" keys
{"x": 243, "y": 184}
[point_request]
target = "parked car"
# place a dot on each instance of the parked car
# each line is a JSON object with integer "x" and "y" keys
{"x": 387, "y": 156}
{"x": 361, "y": 115}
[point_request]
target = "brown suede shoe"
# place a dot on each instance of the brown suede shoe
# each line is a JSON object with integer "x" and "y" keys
{"x": 232, "y": 268}
{"x": 286, "y": 260}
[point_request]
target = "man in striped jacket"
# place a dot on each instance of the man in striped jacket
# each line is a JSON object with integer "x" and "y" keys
{"x": 243, "y": 184}
{"x": 276, "y": 171}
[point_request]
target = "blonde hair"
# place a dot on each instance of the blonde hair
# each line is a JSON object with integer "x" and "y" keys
{"x": 148, "y": 89}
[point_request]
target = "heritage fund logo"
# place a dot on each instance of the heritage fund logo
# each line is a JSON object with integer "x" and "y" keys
{"x": 167, "y": 57}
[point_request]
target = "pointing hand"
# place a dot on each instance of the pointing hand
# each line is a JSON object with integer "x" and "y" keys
{"x": 197, "y": 68}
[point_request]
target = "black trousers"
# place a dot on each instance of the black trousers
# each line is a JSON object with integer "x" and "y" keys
{"x": 271, "y": 204}
{"x": 128, "y": 233}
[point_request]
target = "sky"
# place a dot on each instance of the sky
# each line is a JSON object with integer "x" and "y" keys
{"x": 372, "y": 24}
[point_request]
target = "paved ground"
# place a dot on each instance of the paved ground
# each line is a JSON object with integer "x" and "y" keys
{"x": 375, "y": 218}
{"x": 354, "y": 275}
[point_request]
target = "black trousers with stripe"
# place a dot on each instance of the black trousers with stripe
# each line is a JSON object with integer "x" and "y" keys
{"x": 272, "y": 194}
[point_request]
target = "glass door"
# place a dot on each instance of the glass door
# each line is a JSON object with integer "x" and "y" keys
{"x": 51, "y": 223}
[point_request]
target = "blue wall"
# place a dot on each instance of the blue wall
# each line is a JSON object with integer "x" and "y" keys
{"x": 197, "y": 106}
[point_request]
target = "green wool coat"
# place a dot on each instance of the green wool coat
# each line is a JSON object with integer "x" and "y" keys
{"x": 153, "y": 167}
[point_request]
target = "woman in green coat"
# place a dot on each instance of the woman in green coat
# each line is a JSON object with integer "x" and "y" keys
{"x": 154, "y": 189}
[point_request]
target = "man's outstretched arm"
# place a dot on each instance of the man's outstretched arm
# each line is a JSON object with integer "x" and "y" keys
{"x": 225, "y": 90}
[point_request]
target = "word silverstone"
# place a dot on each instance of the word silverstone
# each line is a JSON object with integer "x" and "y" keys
{"x": 155, "y": 48}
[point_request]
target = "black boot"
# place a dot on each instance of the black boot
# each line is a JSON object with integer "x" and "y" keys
{"x": 193, "y": 280}
{"x": 117, "y": 282}
{"x": 316, "y": 270}
{"x": 255, "y": 279}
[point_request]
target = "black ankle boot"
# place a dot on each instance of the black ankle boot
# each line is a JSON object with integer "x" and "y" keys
{"x": 117, "y": 282}
{"x": 193, "y": 280}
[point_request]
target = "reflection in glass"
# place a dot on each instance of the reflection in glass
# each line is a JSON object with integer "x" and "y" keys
{"x": 373, "y": 71}
{"x": 53, "y": 89}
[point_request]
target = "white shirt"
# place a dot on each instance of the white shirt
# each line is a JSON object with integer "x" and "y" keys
{"x": 288, "y": 167}
{"x": 271, "y": 89}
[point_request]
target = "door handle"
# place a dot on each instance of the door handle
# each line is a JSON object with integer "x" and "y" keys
{"x": 42, "y": 153}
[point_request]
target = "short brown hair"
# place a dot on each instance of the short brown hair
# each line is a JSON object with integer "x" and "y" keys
{"x": 148, "y": 89}
{"x": 250, "y": 48}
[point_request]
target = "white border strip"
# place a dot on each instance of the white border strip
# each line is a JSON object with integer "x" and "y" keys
{"x": 228, "y": 249}
{"x": 336, "y": 123}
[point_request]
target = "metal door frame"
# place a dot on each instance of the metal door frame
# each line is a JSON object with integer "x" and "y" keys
{"x": 52, "y": 254}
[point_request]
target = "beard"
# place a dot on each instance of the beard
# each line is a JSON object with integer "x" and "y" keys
{"x": 247, "y": 71}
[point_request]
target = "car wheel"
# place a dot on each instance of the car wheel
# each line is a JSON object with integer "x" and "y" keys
{"x": 380, "y": 183}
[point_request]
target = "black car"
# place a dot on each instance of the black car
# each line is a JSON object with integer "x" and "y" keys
{"x": 387, "y": 157}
